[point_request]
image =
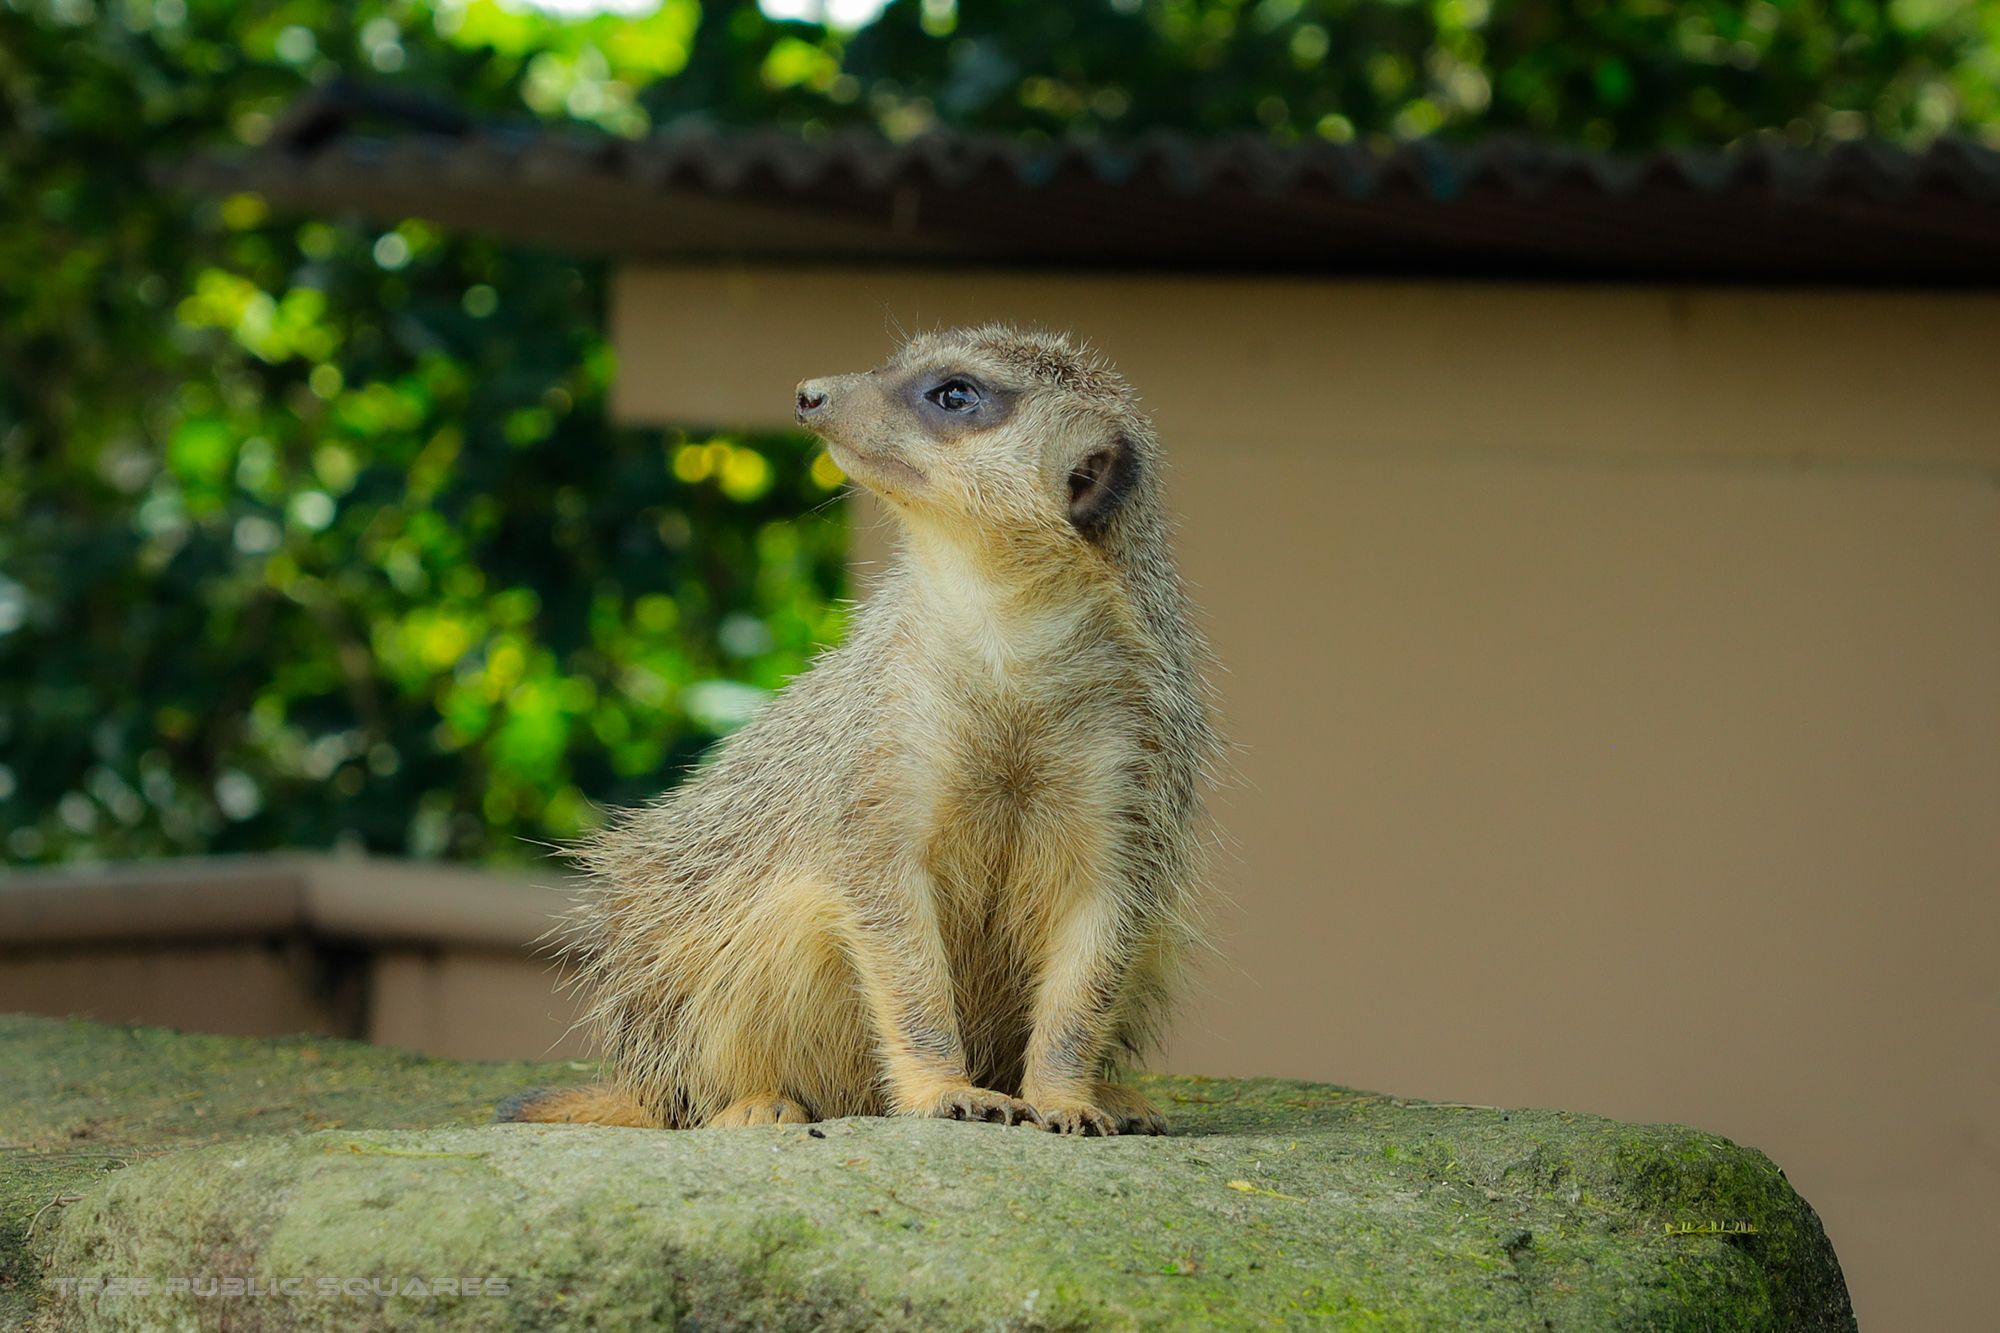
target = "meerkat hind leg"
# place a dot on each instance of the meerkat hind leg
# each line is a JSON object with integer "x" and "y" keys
{"x": 764, "y": 1108}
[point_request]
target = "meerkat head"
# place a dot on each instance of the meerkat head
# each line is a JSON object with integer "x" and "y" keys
{"x": 989, "y": 430}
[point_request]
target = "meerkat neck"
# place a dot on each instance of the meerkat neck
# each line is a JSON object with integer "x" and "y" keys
{"x": 1004, "y": 572}
{"x": 994, "y": 597}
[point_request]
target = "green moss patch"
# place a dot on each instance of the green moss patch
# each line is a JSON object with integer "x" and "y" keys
{"x": 268, "y": 1185}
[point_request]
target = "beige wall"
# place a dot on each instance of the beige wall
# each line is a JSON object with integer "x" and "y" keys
{"x": 439, "y": 959}
{"x": 474, "y": 1005}
{"x": 1617, "y": 680}
{"x": 241, "y": 988}
{"x": 460, "y": 1003}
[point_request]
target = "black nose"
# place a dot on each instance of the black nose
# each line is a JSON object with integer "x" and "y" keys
{"x": 812, "y": 398}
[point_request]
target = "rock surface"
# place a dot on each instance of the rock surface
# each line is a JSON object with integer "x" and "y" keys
{"x": 148, "y": 1156}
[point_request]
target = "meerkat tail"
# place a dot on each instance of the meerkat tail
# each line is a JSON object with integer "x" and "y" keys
{"x": 597, "y": 1104}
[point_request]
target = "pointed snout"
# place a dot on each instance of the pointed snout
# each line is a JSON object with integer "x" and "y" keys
{"x": 857, "y": 421}
{"x": 813, "y": 396}
{"x": 827, "y": 401}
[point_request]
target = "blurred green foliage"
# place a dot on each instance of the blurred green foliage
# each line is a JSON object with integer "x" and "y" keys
{"x": 313, "y": 533}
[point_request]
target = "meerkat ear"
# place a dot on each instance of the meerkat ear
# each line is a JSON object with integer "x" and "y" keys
{"x": 1100, "y": 484}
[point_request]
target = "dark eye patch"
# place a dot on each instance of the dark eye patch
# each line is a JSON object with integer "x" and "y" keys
{"x": 956, "y": 395}
{"x": 951, "y": 402}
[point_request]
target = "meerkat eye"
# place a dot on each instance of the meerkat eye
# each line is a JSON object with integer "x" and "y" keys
{"x": 954, "y": 395}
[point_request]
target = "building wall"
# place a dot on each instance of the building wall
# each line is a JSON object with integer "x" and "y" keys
{"x": 240, "y": 987}
{"x": 445, "y": 960}
{"x": 1616, "y": 681}
{"x": 475, "y": 1004}
{"x": 457, "y": 1002}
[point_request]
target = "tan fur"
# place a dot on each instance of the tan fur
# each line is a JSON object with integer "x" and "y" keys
{"x": 951, "y": 870}
{"x": 597, "y": 1104}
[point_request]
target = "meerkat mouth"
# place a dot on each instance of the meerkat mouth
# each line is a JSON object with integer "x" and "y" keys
{"x": 891, "y": 470}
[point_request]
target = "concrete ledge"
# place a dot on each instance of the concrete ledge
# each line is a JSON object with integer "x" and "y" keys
{"x": 435, "y": 958}
{"x": 1275, "y": 1204}
{"x": 338, "y": 898}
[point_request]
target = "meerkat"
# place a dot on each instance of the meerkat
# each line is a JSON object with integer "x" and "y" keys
{"x": 953, "y": 868}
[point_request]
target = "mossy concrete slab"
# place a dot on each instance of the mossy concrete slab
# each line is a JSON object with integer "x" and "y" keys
{"x": 1275, "y": 1204}
{"x": 81, "y": 1100}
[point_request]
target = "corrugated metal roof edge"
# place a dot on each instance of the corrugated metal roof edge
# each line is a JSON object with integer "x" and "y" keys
{"x": 724, "y": 159}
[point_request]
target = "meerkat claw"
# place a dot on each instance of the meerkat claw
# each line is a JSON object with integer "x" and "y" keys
{"x": 1082, "y": 1121}
{"x": 981, "y": 1104}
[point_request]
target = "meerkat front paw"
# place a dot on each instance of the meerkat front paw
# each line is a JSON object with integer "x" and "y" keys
{"x": 1111, "y": 1109}
{"x": 1079, "y": 1118}
{"x": 970, "y": 1103}
{"x": 1129, "y": 1107}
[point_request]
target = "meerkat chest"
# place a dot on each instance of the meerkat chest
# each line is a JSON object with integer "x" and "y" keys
{"x": 1030, "y": 769}
{"x": 1026, "y": 722}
